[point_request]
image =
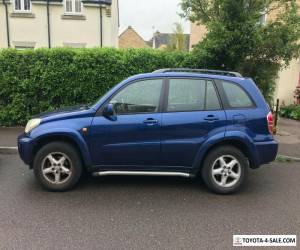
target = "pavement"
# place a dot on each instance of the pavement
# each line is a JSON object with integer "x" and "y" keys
{"x": 144, "y": 212}
{"x": 8, "y": 136}
{"x": 288, "y": 137}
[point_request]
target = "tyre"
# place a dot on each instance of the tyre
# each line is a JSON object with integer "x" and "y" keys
{"x": 57, "y": 166}
{"x": 225, "y": 170}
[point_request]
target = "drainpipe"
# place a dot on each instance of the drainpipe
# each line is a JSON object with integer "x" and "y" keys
{"x": 48, "y": 25}
{"x": 118, "y": 13}
{"x": 101, "y": 25}
{"x": 7, "y": 24}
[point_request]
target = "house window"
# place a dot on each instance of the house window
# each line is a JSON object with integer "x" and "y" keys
{"x": 23, "y": 48}
{"x": 263, "y": 17}
{"x": 73, "y": 6}
{"x": 22, "y": 5}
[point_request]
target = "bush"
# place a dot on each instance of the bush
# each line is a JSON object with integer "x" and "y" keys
{"x": 296, "y": 113}
{"x": 290, "y": 111}
{"x": 34, "y": 81}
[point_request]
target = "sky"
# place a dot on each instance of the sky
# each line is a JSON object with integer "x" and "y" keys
{"x": 142, "y": 15}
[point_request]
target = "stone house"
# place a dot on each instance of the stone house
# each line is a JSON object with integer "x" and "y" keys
{"x": 131, "y": 39}
{"x": 162, "y": 40}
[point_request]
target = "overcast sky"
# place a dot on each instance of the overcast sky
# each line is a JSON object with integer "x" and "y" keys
{"x": 142, "y": 15}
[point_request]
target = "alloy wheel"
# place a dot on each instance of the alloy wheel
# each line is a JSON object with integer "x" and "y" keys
{"x": 226, "y": 171}
{"x": 57, "y": 168}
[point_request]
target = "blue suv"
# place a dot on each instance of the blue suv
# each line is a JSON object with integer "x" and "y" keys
{"x": 172, "y": 122}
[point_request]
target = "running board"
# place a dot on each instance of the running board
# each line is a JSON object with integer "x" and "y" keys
{"x": 144, "y": 173}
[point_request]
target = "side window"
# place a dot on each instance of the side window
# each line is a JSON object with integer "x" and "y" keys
{"x": 236, "y": 96}
{"x": 138, "y": 97}
{"x": 186, "y": 95}
{"x": 212, "y": 100}
{"x": 192, "y": 95}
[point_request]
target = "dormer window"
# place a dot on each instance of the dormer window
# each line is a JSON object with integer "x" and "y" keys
{"x": 73, "y": 6}
{"x": 22, "y": 5}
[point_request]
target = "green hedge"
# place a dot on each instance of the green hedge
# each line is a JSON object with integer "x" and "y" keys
{"x": 34, "y": 81}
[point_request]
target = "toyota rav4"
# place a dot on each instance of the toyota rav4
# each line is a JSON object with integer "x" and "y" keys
{"x": 172, "y": 122}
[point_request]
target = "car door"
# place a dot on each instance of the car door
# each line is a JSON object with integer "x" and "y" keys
{"x": 192, "y": 113}
{"x": 132, "y": 139}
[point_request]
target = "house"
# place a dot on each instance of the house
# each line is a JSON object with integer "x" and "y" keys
{"x": 59, "y": 23}
{"x": 198, "y": 32}
{"x": 288, "y": 78}
{"x": 162, "y": 40}
{"x": 131, "y": 39}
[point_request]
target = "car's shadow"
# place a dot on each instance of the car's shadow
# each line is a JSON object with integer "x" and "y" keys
{"x": 90, "y": 183}
{"x": 125, "y": 192}
{"x": 138, "y": 184}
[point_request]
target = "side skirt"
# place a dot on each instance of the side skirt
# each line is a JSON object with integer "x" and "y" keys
{"x": 142, "y": 173}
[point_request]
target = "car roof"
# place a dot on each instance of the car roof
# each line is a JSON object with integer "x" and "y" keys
{"x": 186, "y": 74}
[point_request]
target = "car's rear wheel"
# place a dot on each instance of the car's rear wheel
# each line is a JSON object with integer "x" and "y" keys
{"x": 225, "y": 170}
{"x": 57, "y": 166}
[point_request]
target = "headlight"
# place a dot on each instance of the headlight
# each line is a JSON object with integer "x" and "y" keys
{"x": 31, "y": 124}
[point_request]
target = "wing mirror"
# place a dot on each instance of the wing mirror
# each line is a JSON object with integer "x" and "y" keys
{"x": 109, "y": 112}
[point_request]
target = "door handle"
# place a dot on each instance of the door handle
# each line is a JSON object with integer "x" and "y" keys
{"x": 151, "y": 121}
{"x": 211, "y": 118}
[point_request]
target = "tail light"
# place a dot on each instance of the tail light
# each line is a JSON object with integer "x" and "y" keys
{"x": 270, "y": 122}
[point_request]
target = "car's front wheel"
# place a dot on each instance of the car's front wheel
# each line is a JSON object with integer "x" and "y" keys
{"x": 57, "y": 166}
{"x": 225, "y": 170}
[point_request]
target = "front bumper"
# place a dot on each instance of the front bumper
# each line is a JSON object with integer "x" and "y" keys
{"x": 25, "y": 148}
{"x": 266, "y": 151}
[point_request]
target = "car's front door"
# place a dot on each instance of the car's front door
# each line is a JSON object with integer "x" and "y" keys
{"x": 192, "y": 114}
{"x": 132, "y": 139}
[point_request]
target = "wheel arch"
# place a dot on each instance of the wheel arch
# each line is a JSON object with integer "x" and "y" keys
{"x": 239, "y": 143}
{"x": 78, "y": 143}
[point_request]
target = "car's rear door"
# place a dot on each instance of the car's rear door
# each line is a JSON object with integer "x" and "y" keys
{"x": 192, "y": 113}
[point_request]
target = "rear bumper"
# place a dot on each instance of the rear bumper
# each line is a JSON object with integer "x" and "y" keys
{"x": 25, "y": 148}
{"x": 266, "y": 151}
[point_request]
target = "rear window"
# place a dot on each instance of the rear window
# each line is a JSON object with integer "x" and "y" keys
{"x": 186, "y": 95}
{"x": 192, "y": 95}
{"x": 236, "y": 96}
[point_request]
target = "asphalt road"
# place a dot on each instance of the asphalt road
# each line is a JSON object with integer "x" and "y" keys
{"x": 144, "y": 212}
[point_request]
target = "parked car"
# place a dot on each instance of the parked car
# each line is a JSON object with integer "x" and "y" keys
{"x": 172, "y": 122}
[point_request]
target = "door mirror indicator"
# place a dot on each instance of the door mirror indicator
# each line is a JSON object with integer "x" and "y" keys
{"x": 109, "y": 112}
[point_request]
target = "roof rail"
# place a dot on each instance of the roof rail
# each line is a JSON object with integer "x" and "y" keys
{"x": 203, "y": 71}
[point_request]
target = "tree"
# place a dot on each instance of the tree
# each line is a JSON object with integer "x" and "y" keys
{"x": 177, "y": 39}
{"x": 237, "y": 40}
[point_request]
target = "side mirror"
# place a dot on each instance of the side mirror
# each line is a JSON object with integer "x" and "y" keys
{"x": 109, "y": 113}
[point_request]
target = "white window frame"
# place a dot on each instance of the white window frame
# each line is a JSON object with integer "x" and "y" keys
{"x": 73, "y": 12}
{"x": 22, "y": 2}
{"x": 264, "y": 17}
